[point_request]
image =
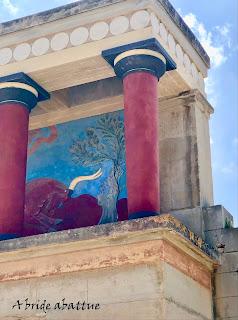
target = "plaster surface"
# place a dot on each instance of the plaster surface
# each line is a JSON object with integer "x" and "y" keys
{"x": 132, "y": 269}
{"x": 87, "y": 5}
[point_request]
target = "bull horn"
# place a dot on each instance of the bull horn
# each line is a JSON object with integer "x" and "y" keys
{"x": 75, "y": 181}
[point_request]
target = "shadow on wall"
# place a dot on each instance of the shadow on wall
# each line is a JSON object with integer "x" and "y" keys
{"x": 76, "y": 175}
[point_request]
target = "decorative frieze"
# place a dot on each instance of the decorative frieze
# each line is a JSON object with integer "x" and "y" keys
{"x": 99, "y": 30}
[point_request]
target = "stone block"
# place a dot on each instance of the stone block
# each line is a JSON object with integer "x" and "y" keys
{"x": 178, "y": 183}
{"x": 175, "y": 311}
{"x": 226, "y": 240}
{"x": 149, "y": 309}
{"x": 226, "y": 308}
{"x": 192, "y": 219}
{"x": 145, "y": 269}
{"x": 125, "y": 284}
{"x": 184, "y": 296}
{"x": 213, "y": 238}
{"x": 230, "y": 318}
{"x": 226, "y": 285}
{"x": 229, "y": 262}
{"x": 230, "y": 238}
{"x": 216, "y": 217}
{"x": 186, "y": 180}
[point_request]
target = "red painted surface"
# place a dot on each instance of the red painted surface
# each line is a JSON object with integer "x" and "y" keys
{"x": 48, "y": 208}
{"x": 142, "y": 142}
{"x": 14, "y": 119}
{"x": 40, "y": 140}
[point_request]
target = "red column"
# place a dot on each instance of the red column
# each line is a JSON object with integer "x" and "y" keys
{"x": 14, "y": 119}
{"x": 141, "y": 65}
{"x": 142, "y": 143}
{"x": 19, "y": 94}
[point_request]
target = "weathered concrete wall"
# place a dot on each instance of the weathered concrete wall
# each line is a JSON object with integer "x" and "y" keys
{"x": 185, "y": 165}
{"x": 184, "y": 298}
{"x": 142, "y": 291}
{"x": 141, "y": 269}
{"x": 206, "y": 222}
{"x": 221, "y": 236}
{"x": 226, "y": 276}
{"x": 216, "y": 220}
{"x": 123, "y": 293}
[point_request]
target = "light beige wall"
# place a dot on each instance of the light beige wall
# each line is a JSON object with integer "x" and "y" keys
{"x": 185, "y": 163}
{"x": 151, "y": 292}
{"x": 123, "y": 293}
{"x": 184, "y": 298}
{"x": 139, "y": 269}
{"x": 226, "y": 276}
{"x": 204, "y": 154}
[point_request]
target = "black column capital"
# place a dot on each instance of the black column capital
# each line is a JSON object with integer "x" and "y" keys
{"x": 147, "y": 56}
{"x": 20, "y": 88}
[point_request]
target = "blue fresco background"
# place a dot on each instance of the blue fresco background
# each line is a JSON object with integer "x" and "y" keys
{"x": 54, "y": 160}
{"x": 59, "y": 154}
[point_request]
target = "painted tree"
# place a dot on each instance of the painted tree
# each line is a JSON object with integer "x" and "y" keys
{"x": 104, "y": 142}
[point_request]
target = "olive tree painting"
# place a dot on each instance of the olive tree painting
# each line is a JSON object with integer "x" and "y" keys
{"x": 76, "y": 175}
{"x": 104, "y": 143}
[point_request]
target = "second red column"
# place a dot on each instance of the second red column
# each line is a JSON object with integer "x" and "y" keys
{"x": 142, "y": 142}
{"x": 140, "y": 70}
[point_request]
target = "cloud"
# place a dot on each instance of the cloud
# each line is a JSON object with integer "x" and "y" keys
{"x": 214, "y": 42}
{"x": 10, "y": 7}
{"x": 210, "y": 85}
{"x": 211, "y": 141}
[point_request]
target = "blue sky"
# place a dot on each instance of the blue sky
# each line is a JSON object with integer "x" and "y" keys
{"x": 216, "y": 25}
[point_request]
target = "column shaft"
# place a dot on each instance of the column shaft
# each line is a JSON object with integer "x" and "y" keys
{"x": 14, "y": 119}
{"x": 142, "y": 143}
{"x": 19, "y": 94}
{"x": 141, "y": 65}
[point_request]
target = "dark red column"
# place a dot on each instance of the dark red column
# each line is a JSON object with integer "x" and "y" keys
{"x": 140, "y": 69}
{"x": 13, "y": 144}
{"x": 140, "y": 65}
{"x": 142, "y": 143}
{"x": 19, "y": 94}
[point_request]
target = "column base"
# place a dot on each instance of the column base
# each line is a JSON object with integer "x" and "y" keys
{"x": 142, "y": 214}
{"x": 8, "y": 236}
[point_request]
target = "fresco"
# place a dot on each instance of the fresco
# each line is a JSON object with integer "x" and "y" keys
{"x": 76, "y": 175}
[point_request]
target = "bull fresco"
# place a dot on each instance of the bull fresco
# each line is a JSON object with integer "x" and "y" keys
{"x": 76, "y": 175}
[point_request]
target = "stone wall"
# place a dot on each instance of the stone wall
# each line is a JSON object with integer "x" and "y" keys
{"x": 185, "y": 160}
{"x": 141, "y": 269}
{"x": 226, "y": 276}
{"x": 220, "y": 234}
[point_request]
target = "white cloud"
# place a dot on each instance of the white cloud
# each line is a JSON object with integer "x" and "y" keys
{"x": 214, "y": 42}
{"x": 11, "y": 8}
{"x": 224, "y": 30}
{"x": 211, "y": 141}
{"x": 210, "y": 85}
